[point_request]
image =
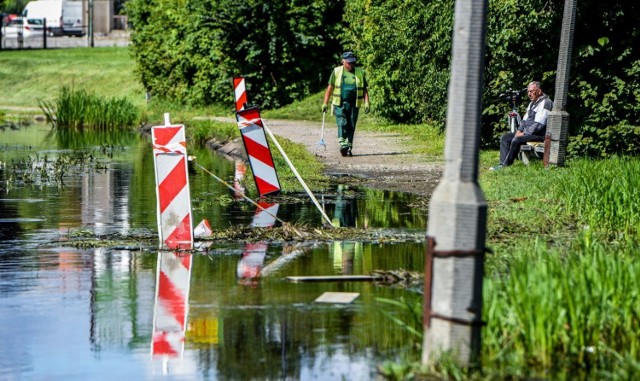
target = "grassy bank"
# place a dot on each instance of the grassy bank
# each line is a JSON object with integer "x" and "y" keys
{"x": 560, "y": 291}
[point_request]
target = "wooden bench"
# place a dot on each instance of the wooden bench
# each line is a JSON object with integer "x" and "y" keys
{"x": 535, "y": 149}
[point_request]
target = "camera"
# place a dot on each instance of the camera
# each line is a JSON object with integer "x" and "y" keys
{"x": 511, "y": 95}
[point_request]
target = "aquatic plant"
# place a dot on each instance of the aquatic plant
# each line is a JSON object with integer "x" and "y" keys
{"x": 78, "y": 110}
{"x": 403, "y": 313}
{"x": 49, "y": 170}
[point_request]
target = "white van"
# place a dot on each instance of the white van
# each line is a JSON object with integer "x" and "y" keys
{"x": 72, "y": 24}
{"x": 64, "y": 17}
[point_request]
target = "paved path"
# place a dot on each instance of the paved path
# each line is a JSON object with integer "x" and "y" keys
{"x": 380, "y": 160}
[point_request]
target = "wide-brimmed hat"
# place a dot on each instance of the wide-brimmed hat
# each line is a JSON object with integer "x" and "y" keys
{"x": 349, "y": 57}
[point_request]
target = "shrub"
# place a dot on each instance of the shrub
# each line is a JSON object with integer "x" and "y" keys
{"x": 620, "y": 139}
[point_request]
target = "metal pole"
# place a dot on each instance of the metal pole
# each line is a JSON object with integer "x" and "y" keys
{"x": 558, "y": 127}
{"x": 295, "y": 172}
{"x": 90, "y": 23}
{"x": 456, "y": 232}
{"x": 21, "y": 34}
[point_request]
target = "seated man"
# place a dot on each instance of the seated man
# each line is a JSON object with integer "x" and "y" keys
{"x": 532, "y": 128}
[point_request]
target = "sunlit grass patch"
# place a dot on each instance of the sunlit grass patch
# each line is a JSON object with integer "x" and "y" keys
{"x": 603, "y": 194}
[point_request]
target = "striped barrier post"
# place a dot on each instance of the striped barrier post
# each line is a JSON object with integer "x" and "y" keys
{"x": 170, "y": 311}
{"x": 175, "y": 225}
{"x": 240, "y": 93}
{"x": 257, "y": 147}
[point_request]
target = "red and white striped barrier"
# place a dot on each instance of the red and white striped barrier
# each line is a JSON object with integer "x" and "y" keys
{"x": 257, "y": 147}
{"x": 171, "y": 304}
{"x": 175, "y": 225}
{"x": 203, "y": 230}
{"x": 240, "y": 93}
{"x": 265, "y": 216}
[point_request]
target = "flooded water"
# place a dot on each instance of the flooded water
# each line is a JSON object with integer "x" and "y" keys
{"x": 227, "y": 313}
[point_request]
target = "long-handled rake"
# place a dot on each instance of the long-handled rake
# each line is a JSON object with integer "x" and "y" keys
{"x": 321, "y": 142}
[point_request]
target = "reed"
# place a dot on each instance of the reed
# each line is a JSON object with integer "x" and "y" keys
{"x": 557, "y": 311}
{"x": 78, "y": 110}
{"x": 603, "y": 194}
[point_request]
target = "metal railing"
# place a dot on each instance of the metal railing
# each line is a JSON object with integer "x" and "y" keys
{"x": 45, "y": 41}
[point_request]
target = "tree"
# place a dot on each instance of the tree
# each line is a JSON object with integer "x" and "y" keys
{"x": 12, "y": 6}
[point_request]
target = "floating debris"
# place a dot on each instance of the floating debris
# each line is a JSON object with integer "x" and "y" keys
{"x": 402, "y": 278}
{"x": 240, "y": 234}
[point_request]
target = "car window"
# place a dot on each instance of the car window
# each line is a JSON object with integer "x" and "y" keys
{"x": 34, "y": 21}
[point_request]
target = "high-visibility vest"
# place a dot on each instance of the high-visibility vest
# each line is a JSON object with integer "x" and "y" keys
{"x": 337, "y": 87}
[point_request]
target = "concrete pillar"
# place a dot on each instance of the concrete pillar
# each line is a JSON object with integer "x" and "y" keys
{"x": 558, "y": 122}
{"x": 103, "y": 16}
{"x": 458, "y": 211}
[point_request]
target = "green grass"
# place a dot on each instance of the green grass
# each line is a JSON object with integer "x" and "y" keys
{"x": 33, "y": 75}
{"x": 559, "y": 310}
{"x": 303, "y": 109}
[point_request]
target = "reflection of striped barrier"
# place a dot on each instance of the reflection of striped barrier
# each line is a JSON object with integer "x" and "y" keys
{"x": 240, "y": 93}
{"x": 265, "y": 215}
{"x": 252, "y": 260}
{"x": 241, "y": 169}
{"x": 172, "y": 186}
{"x": 257, "y": 147}
{"x": 171, "y": 304}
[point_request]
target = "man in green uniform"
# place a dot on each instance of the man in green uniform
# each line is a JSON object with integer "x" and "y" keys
{"x": 348, "y": 91}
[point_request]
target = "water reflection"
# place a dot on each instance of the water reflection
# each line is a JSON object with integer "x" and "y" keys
{"x": 73, "y": 313}
{"x": 265, "y": 215}
{"x": 344, "y": 253}
{"x": 171, "y": 306}
{"x": 238, "y": 176}
{"x": 252, "y": 261}
{"x": 346, "y": 210}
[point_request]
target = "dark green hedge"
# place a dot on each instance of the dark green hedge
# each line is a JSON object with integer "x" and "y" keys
{"x": 190, "y": 50}
{"x": 405, "y": 45}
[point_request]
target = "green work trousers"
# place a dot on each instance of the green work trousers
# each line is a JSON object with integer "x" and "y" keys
{"x": 346, "y": 119}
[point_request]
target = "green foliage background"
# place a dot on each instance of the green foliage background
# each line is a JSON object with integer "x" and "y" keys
{"x": 406, "y": 44}
{"x": 12, "y": 6}
{"x": 190, "y": 50}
